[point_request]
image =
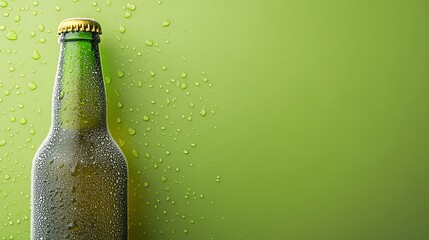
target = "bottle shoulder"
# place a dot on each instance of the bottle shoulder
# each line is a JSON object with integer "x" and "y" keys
{"x": 97, "y": 146}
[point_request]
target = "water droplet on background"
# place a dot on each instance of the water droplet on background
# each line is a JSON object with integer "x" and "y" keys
{"x": 131, "y": 6}
{"x": 3, "y": 4}
{"x": 121, "y": 29}
{"x": 32, "y": 85}
{"x": 11, "y": 35}
{"x": 149, "y": 42}
{"x": 166, "y": 23}
{"x": 131, "y": 131}
{"x": 35, "y": 55}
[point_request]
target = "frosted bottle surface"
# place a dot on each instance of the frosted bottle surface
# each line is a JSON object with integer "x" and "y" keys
{"x": 79, "y": 174}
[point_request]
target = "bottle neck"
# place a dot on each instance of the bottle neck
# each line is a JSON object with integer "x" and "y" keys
{"x": 79, "y": 101}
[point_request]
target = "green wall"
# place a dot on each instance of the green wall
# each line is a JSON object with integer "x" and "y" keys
{"x": 316, "y": 122}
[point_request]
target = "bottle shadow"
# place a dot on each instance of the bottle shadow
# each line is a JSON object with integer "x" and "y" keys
{"x": 119, "y": 121}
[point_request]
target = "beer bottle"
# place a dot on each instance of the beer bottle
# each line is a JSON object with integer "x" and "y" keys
{"x": 79, "y": 174}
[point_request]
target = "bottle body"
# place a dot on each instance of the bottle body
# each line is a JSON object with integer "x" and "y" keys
{"x": 79, "y": 187}
{"x": 79, "y": 174}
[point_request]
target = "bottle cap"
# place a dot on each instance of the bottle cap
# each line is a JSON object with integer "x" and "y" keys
{"x": 79, "y": 25}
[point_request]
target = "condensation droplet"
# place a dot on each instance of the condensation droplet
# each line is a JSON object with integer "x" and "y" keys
{"x": 166, "y": 23}
{"x": 11, "y": 35}
{"x": 149, "y": 42}
{"x": 41, "y": 27}
{"x": 135, "y": 153}
{"x": 121, "y": 29}
{"x": 35, "y": 55}
{"x": 203, "y": 112}
{"x": 23, "y": 121}
{"x": 131, "y": 131}
{"x": 131, "y": 6}
{"x": 108, "y": 79}
{"x": 32, "y": 85}
{"x": 3, "y": 4}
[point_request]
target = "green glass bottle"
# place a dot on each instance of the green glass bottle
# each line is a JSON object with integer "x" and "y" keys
{"x": 79, "y": 174}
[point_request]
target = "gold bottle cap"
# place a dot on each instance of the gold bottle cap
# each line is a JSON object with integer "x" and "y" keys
{"x": 79, "y": 25}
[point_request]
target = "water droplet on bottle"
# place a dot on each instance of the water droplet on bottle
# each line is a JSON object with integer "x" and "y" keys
{"x": 131, "y": 6}
{"x": 58, "y": 8}
{"x": 149, "y": 42}
{"x": 2, "y": 27}
{"x": 185, "y": 151}
{"x": 164, "y": 178}
{"x": 127, "y": 14}
{"x": 166, "y": 23}
{"x": 32, "y": 85}
{"x": 120, "y": 73}
{"x": 131, "y": 131}
{"x": 35, "y": 3}
{"x": 2, "y": 142}
{"x": 41, "y": 27}
{"x": 7, "y": 177}
{"x": 145, "y": 184}
{"x": 11, "y": 35}
{"x": 72, "y": 226}
{"x": 121, "y": 29}
{"x": 146, "y": 118}
{"x": 16, "y": 18}
{"x": 184, "y": 86}
{"x": 36, "y": 55}
{"x": 203, "y": 112}
{"x": 184, "y": 75}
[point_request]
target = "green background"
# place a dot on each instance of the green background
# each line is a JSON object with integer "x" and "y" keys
{"x": 316, "y": 123}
